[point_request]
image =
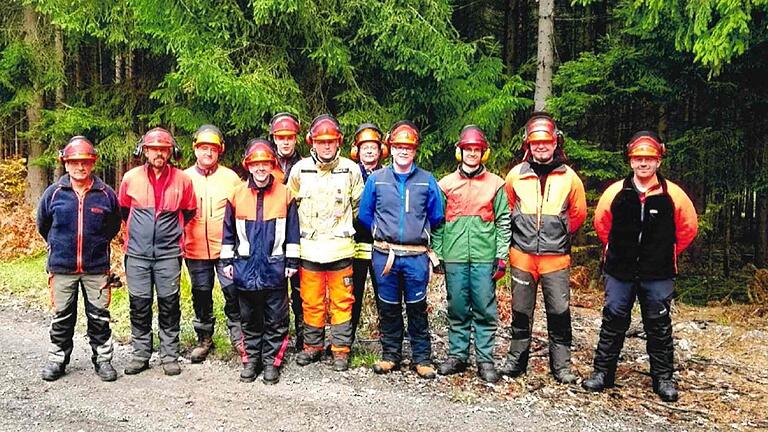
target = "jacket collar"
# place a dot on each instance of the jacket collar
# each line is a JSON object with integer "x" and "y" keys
{"x": 66, "y": 182}
{"x": 206, "y": 172}
{"x": 526, "y": 169}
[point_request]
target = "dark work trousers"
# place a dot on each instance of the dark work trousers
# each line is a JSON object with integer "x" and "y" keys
{"x": 655, "y": 299}
{"x": 298, "y": 312}
{"x": 360, "y": 270}
{"x": 201, "y": 273}
{"x": 406, "y": 280}
{"x": 264, "y": 315}
{"x": 145, "y": 278}
{"x": 96, "y": 297}
{"x": 557, "y": 295}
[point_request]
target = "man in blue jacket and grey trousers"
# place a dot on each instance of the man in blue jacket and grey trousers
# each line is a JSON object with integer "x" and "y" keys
{"x": 402, "y": 204}
{"x": 78, "y": 216}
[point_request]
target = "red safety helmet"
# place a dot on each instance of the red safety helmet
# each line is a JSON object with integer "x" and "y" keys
{"x": 259, "y": 150}
{"x": 284, "y": 124}
{"x": 403, "y": 133}
{"x": 158, "y": 137}
{"x": 646, "y": 143}
{"x": 208, "y": 134}
{"x": 78, "y": 148}
{"x": 324, "y": 127}
{"x": 472, "y": 135}
{"x": 541, "y": 128}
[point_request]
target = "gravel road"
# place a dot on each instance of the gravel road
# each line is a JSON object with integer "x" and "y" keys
{"x": 209, "y": 397}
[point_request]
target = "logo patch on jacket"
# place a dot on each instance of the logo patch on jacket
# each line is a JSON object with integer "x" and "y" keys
{"x": 347, "y": 281}
{"x": 97, "y": 210}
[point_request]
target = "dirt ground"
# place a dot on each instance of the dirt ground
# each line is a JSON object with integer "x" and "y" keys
{"x": 721, "y": 356}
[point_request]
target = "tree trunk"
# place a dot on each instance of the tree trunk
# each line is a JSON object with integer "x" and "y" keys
{"x": 59, "y": 49}
{"x": 761, "y": 249}
{"x": 545, "y": 54}
{"x": 727, "y": 239}
{"x": 510, "y": 34}
{"x": 37, "y": 177}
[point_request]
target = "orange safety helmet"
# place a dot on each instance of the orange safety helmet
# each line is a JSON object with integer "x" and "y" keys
{"x": 646, "y": 143}
{"x": 258, "y": 150}
{"x": 368, "y": 132}
{"x": 472, "y": 135}
{"x": 324, "y": 127}
{"x": 403, "y": 133}
{"x": 284, "y": 124}
{"x": 78, "y": 148}
{"x": 541, "y": 128}
{"x": 208, "y": 134}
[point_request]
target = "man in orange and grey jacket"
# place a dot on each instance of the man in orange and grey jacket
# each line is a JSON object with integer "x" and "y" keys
{"x": 547, "y": 201}
{"x": 645, "y": 221}
{"x": 156, "y": 201}
{"x": 284, "y": 129}
{"x": 213, "y": 184}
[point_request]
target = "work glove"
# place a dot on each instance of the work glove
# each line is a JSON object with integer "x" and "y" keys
{"x": 499, "y": 268}
{"x": 439, "y": 269}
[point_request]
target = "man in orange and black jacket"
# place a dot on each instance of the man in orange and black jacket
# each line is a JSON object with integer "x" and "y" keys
{"x": 645, "y": 221}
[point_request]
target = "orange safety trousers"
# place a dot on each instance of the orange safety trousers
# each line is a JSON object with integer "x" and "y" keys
{"x": 537, "y": 265}
{"x": 336, "y": 287}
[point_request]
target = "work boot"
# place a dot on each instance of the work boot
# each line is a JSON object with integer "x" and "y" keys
{"x": 666, "y": 389}
{"x": 382, "y": 367}
{"x": 426, "y": 371}
{"x": 451, "y": 366}
{"x": 204, "y": 346}
{"x": 598, "y": 381}
{"x": 105, "y": 371}
{"x": 136, "y": 365}
{"x": 271, "y": 374}
{"x": 340, "y": 361}
{"x": 171, "y": 368}
{"x": 487, "y": 372}
{"x": 511, "y": 369}
{"x": 250, "y": 371}
{"x": 52, "y": 371}
{"x": 308, "y": 355}
{"x": 565, "y": 376}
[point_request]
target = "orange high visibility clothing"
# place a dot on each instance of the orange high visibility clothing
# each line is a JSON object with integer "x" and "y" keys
{"x": 212, "y": 188}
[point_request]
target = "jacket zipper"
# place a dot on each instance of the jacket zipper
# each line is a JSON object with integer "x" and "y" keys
{"x": 207, "y": 240}
{"x": 80, "y": 205}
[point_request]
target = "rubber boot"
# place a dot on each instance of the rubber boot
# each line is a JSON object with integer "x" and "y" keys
{"x": 271, "y": 374}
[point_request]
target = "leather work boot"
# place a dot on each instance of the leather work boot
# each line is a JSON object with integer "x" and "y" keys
{"x": 565, "y": 376}
{"x": 382, "y": 367}
{"x": 308, "y": 355}
{"x": 426, "y": 371}
{"x": 250, "y": 371}
{"x": 487, "y": 372}
{"x": 271, "y": 374}
{"x": 451, "y": 366}
{"x": 340, "y": 361}
{"x": 200, "y": 352}
{"x": 511, "y": 369}
{"x": 52, "y": 371}
{"x": 171, "y": 368}
{"x": 666, "y": 389}
{"x": 105, "y": 371}
{"x": 136, "y": 365}
{"x": 598, "y": 381}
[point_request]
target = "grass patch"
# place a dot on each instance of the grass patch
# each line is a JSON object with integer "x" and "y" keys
{"x": 25, "y": 278}
{"x": 363, "y": 356}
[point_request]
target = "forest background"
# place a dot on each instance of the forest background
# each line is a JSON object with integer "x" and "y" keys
{"x": 694, "y": 70}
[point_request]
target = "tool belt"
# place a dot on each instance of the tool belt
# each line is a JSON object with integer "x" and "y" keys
{"x": 392, "y": 247}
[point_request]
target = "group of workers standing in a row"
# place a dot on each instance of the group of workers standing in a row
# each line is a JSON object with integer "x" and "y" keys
{"x": 321, "y": 224}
